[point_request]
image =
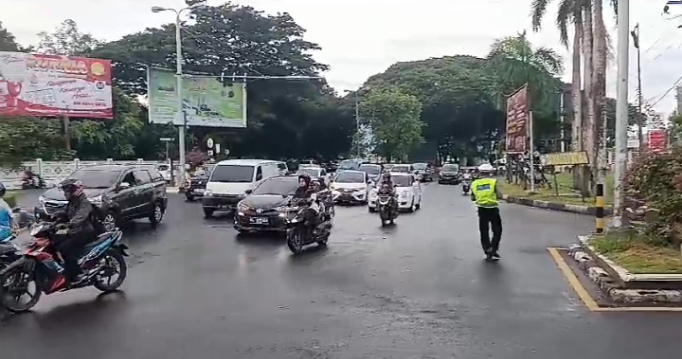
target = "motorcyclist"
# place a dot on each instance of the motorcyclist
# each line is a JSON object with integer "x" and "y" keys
{"x": 7, "y": 223}
{"x": 305, "y": 195}
{"x": 485, "y": 191}
{"x": 387, "y": 187}
{"x": 81, "y": 230}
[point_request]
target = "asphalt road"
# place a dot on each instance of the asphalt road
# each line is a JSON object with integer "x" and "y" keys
{"x": 419, "y": 289}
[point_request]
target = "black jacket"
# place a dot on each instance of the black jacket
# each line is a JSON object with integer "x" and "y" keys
{"x": 389, "y": 184}
{"x": 80, "y": 214}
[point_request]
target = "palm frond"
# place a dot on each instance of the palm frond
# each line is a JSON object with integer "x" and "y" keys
{"x": 537, "y": 12}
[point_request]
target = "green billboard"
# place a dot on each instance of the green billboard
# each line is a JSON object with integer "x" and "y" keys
{"x": 207, "y": 101}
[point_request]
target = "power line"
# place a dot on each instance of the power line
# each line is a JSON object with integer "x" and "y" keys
{"x": 667, "y": 92}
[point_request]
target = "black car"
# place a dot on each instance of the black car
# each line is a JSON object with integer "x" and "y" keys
{"x": 449, "y": 174}
{"x": 122, "y": 192}
{"x": 196, "y": 185}
{"x": 266, "y": 207}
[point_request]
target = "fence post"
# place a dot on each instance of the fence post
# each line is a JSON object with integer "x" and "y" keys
{"x": 110, "y": 160}
{"x": 140, "y": 160}
{"x": 39, "y": 164}
{"x": 599, "y": 206}
{"x": 77, "y": 162}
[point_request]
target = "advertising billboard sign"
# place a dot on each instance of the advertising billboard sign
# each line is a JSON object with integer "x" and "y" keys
{"x": 207, "y": 101}
{"x": 517, "y": 121}
{"x": 54, "y": 86}
{"x": 657, "y": 140}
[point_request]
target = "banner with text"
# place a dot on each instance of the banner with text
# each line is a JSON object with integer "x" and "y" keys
{"x": 518, "y": 105}
{"x": 53, "y": 85}
{"x": 657, "y": 140}
{"x": 206, "y": 101}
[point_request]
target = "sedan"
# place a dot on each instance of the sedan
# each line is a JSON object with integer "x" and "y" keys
{"x": 267, "y": 206}
{"x": 350, "y": 187}
{"x": 449, "y": 174}
{"x": 407, "y": 189}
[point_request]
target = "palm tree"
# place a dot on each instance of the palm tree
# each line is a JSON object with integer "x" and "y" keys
{"x": 515, "y": 61}
{"x": 569, "y": 11}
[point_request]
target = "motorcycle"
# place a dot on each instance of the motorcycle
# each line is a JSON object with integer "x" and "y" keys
{"x": 42, "y": 265}
{"x": 298, "y": 231}
{"x": 387, "y": 211}
{"x": 9, "y": 251}
{"x": 466, "y": 186}
{"x": 32, "y": 181}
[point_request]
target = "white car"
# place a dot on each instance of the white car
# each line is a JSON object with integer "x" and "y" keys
{"x": 350, "y": 187}
{"x": 408, "y": 189}
{"x": 402, "y": 168}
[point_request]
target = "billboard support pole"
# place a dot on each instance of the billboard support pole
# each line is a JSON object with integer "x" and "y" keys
{"x": 67, "y": 132}
{"x": 182, "y": 127}
{"x": 531, "y": 152}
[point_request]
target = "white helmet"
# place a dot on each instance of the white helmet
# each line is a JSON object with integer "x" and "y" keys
{"x": 486, "y": 167}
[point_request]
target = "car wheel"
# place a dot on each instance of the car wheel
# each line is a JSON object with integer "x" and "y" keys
{"x": 371, "y": 209}
{"x": 189, "y": 198}
{"x": 208, "y": 212}
{"x": 110, "y": 220}
{"x": 157, "y": 214}
{"x": 411, "y": 209}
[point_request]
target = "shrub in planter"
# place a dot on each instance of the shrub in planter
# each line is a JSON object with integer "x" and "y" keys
{"x": 656, "y": 179}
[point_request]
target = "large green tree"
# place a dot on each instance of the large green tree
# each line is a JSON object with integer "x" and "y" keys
{"x": 395, "y": 122}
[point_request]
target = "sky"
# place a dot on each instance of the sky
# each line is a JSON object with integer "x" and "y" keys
{"x": 363, "y": 38}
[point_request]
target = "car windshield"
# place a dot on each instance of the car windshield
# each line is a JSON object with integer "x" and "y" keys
{"x": 350, "y": 177}
{"x": 370, "y": 169}
{"x": 419, "y": 166}
{"x": 278, "y": 186}
{"x": 348, "y": 165}
{"x": 96, "y": 178}
{"x": 404, "y": 169}
{"x": 232, "y": 173}
{"x": 310, "y": 171}
{"x": 450, "y": 168}
{"x": 401, "y": 181}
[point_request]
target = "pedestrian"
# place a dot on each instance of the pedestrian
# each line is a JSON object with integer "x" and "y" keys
{"x": 486, "y": 193}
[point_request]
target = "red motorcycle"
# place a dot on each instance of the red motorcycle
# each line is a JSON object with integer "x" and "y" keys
{"x": 43, "y": 266}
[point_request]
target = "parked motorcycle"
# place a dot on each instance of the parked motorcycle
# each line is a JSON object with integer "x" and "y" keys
{"x": 466, "y": 186}
{"x": 299, "y": 233}
{"x": 387, "y": 209}
{"x": 42, "y": 265}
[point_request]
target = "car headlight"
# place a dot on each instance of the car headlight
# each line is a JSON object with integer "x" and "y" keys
{"x": 404, "y": 194}
{"x": 242, "y": 207}
{"x": 41, "y": 199}
{"x": 360, "y": 189}
{"x": 208, "y": 193}
{"x": 96, "y": 199}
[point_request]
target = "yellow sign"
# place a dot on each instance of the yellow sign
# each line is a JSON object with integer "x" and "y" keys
{"x": 564, "y": 159}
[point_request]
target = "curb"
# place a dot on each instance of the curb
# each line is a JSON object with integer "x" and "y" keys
{"x": 611, "y": 286}
{"x": 555, "y": 206}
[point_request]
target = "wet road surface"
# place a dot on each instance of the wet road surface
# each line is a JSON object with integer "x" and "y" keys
{"x": 419, "y": 289}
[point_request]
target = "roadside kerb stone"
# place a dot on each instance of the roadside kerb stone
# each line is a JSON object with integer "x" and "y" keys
{"x": 554, "y": 206}
{"x": 612, "y": 279}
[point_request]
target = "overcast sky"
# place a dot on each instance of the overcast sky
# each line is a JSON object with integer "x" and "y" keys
{"x": 360, "y": 38}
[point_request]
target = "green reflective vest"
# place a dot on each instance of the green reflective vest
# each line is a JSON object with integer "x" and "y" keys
{"x": 485, "y": 192}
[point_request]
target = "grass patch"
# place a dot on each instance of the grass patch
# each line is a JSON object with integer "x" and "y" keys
{"x": 566, "y": 193}
{"x": 639, "y": 254}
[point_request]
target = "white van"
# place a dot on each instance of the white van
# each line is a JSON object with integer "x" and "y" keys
{"x": 230, "y": 180}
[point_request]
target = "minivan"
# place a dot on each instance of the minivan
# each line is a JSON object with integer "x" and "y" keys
{"x": 230, "y": 180}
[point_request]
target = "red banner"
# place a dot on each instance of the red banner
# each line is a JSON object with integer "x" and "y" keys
{"x": 657, "y": 140}
{"x": 518, "y": 105}
{"x": 52, "y": 85}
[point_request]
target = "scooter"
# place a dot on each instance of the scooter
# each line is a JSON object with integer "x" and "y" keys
{"x": 466, "y": 187}
{"x": 299, "y": 233}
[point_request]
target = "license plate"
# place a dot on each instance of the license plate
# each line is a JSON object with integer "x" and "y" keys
{"x": 259, "y": 220}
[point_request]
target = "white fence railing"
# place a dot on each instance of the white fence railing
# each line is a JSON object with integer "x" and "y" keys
{"x": 53, "y": 172}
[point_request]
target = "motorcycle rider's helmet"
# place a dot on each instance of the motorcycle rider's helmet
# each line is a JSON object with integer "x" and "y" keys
{"x": 3, "y": 190}
{"x": 72, "y": 188}
{"x": 387, "y": 176}
{"x": 485, "y": 168}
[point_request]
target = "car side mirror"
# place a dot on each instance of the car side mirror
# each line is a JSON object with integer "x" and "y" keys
{"x": 124, "y": 185}
{"x": 248, "y": 191}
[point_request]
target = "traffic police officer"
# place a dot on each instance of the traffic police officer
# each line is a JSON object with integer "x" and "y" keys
{"x": 486, "y": 193}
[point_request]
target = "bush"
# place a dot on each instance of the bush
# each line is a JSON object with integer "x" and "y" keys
{"x": 656, "y": 179}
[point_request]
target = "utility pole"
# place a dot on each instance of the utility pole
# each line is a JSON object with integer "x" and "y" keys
{"x": 635, "y": 40}
{"x": 619, "y": 215}
{"x": 562, "y": 111}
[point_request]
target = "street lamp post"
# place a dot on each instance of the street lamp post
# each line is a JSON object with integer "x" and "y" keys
{"x": 619, "y": 214}
{"x": 178, "y": 73}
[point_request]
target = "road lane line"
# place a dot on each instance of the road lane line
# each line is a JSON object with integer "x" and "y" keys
{"x": 573, "y": 280}
{"x": 584, "y": 295}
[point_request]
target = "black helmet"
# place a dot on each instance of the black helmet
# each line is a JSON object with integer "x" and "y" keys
{"x": 71, "y": 187}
